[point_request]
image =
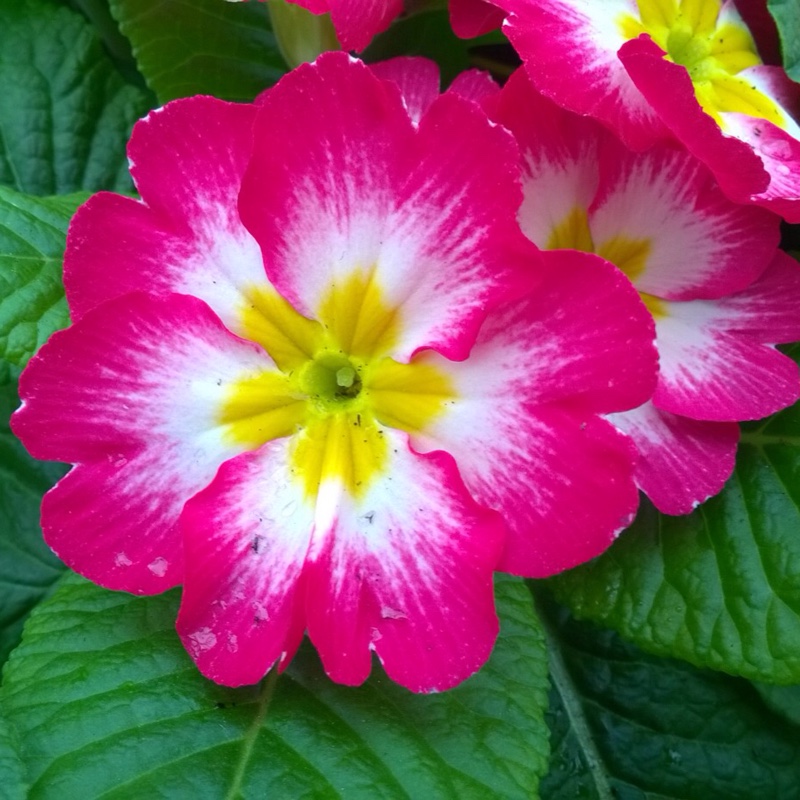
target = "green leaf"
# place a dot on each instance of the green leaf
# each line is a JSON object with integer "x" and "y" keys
{"x": 32, "y": 237}
{"x": 429, "y": 34}
{"x": 720, "y": 587}
{"x": 783, "y": 700}
{"x": 787, "y": 18}
{"x": 28, "y": 568}
{"x": 115, "y": 44}
{"x": 100, "y": 679}
{"x": 186, "y": 47}
{"x": 12, "y": 770}
{"x": 627, "y": 725}
{"x": 65, "y": 112}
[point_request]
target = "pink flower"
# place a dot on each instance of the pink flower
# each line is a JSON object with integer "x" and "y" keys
{"x": 709, "y": 271}
{"x": 689, "y": 69}
{"x": 356, "y": 22}
{"x": 324, "y": 381}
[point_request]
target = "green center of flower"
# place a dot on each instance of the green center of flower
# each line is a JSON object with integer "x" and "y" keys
{"x": 331, "y": 379}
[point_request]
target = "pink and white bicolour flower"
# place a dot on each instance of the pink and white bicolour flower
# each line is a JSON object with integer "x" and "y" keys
{"x": 319, "y": 376}
{"x": 709, "y": 271}
{"x": 650, "y": 69}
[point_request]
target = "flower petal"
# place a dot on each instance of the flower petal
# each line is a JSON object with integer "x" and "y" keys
{"x": 475, "y": 85}
{"x": 666, "y": 203}
{"x": 524, "y": 428}
{"x": 185, "y": 236}
{"x": 426, "y": 219}
{"x": 717, "y": 362}
{"x": 416, "y": 78}
{"x": 406, "y": 571}
{"x": 246, "y": 537}
{"x": 560, "y": 153}
{"x": 132, "y": 394}
{"x": 669, "y": 90}
{"x": 682, "y": 462}
{"x": 471, "y": 18}
{"x": 357, "y": 21}
{"x": 569, "y": 48}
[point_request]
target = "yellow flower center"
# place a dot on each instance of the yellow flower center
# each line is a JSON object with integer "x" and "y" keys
{"x": 630, "y": 255}
{"x": 714, "y": 54}
{"x": 335, "y": 389}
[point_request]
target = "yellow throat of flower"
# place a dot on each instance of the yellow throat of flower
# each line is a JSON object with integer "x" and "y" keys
{"x": 628, "y": 254}
{"x": 335, "y": 388}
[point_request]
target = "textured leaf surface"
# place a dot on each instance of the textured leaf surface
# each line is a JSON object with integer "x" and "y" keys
{"x": 100, "y": 678}
{"x": 626, "y": 725}
{"x": 186, "y": 47}
{"x": 783, "y": 700}
{"x": 65, "y": 111}
{"x": 721, "y": 587}
{"x": 787, "y": 17}
{"x": 32, "y": 237}
{"x": 12, "y": 771}
{"x": 28, "y": 568}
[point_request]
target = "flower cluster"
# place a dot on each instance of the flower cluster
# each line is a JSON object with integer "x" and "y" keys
{"x": 360, "y": 344}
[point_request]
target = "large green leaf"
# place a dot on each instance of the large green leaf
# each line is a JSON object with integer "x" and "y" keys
{"x": 630, "y": 726}
{"x": 115, "y": 44}
{"x": 783, "y": 700}
{"x": 100, "y": 679}
{"x": 32, "y": 236}
{"x": 28, "y": 568}
{"x": 12, "y": 770}
{"x": 65, "y": 111}
{"x": 720, "y": 587}
{"x": 787, "y": 18}
{"x": 186, "y": 47}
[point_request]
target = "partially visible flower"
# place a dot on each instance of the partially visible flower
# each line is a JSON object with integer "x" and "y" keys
{"x": 319, "y": 376}
{"x": 709, "y": 271}
{"x": 356, "y": 22}
{"x": 689, "y": 68}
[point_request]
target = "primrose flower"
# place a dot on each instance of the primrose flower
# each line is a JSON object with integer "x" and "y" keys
{"x": 319, "y": 376}
{"x": 356, "y": 22}
{"x": 709, "y": 271}
{"x": 689, "y": 68}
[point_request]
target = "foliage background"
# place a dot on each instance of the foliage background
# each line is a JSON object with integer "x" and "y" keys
{"x": 683, "y": 680}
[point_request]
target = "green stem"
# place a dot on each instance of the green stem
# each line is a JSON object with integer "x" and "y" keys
{"x": 265, "y": 699}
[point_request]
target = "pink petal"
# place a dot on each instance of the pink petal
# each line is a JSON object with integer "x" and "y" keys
{"x": 475, "y": 85}
{"x": 471, "y": 18}
{"x": 246, "y": 537}
{"x": 416, "y": 78}
{"x": 682, "y": 462}
{"x": 767, "y": 310}
{"x": 780, "y": 155}
{"x": 524, "y": 430}
{"x": 131, "y": 394}
{"x": 428, "y": 218}
{"x": 357, "y": 21}
{"x": 406, "y": 572}
{"x": 700, "y": 244}
{"x": 717, "y": 362}
{"x": 560, "y": 156}
{"x": 187, "y": 160}
{"x": 669, "y": 90}
{"x": 569, "y": 49}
